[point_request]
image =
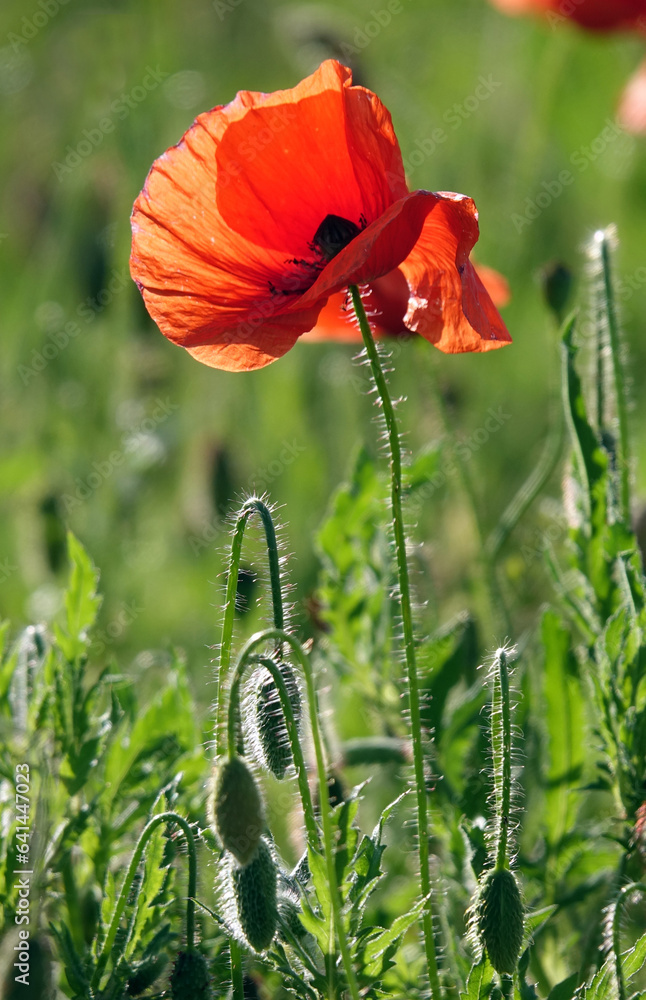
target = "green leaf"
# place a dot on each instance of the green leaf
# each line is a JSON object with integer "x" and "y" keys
{"x": 422, "y": 469}
{"x": 81, "y": 602}
{"x": 565, "y": 729}
{"x": 480, "y": 982}
{"x": 376, "y": 948}
{"x": 566, "y": 989}
{"x": 169, "y": 716}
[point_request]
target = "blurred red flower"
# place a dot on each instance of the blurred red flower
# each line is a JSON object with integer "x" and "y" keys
{"x": 273, "y": 204}
{"x": 599, "y": 15}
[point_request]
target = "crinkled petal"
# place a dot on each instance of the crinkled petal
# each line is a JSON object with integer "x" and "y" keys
{"x": 448, "y": 303}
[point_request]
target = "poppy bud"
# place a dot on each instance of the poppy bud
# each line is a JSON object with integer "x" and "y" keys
{"x": 255, "y": 892}
{"x": 268, "y": 720}
{"x": 190, "y": 979}
{"x": 237, "y": 809}
{"x": 500, "y": 919}
{"x": 556, "y": 280}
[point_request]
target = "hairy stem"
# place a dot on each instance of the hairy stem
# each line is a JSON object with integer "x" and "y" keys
{"x": 253, "y": 505}
{"x": 166, "y": 817}
{"x": 409, "y": 638}
{"x": 283, "y": 638}
{"x": 292, "y": 731}
{"x": 617, "y": 374}
{"x": 501, "y": 738}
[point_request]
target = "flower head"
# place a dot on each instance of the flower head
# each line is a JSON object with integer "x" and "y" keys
{"x": 273, "y": 204}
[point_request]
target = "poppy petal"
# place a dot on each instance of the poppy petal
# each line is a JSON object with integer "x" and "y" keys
{"x": 448, "y": 303}
{"x": 323, "y": 148}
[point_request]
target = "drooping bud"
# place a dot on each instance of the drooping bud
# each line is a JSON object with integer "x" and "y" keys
{"x": 268, "y": 720}
{"x": 237, "y": 809}
{"x": 255, "y": 894}
{"x": 499, "y": 915}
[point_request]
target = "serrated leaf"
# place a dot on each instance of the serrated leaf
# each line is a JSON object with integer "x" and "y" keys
{"x": 381, "y": 942}
{"x": 480, "y": 982}
{"x": 81, "y": 601}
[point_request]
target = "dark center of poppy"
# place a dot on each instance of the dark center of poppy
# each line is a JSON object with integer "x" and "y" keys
{"x": 333, "y": 235}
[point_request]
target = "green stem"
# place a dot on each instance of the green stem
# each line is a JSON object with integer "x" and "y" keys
{"x": 283, "y": 638}
{"x": 409, "y": 638}
{"x": 166, "y": 817}
{"x": 620, "y": 393}
{"x": 292, "y": 731}
{"x": 235, "y": 954}
{"x": 504, "y": 742}
{"x": 253, "y": 505}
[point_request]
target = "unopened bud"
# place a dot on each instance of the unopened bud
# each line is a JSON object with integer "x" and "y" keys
{"x": 237, "y": 809}
{"x": 255, "y": 893}
{"x": 500, "y": 920}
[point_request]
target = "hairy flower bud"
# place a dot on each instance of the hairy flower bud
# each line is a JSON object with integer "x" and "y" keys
{"x": 500, "y": 919}
{"x": 237, "y": 809}
{"x": 255, "y": 893}
{"x": 268, "y": 720}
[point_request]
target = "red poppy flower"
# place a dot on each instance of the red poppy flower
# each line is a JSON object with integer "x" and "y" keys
{"x": 386, "y": 302}
{"x": 273, "y": 204}
{"x": 597, "y": 15}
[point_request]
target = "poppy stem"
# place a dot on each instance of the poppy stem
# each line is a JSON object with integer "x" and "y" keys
{"x": 258, "y": 641}
{"x": 409, "y": 637}
{"x": 250, "y": 506}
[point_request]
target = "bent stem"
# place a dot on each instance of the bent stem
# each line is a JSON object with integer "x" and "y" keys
{"x": 292, "y": 731}
{"x": 409, "y": 638}
{"x": 254, "y": 505}
{"x": 165, "y": 817}
{"x": 283, "y": 638}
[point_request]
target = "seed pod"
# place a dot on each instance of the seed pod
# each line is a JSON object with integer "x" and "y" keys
{"x": 254, "y": 890}
{"x": 190, "y": 979}
{"x": 237, "y": 809}
{"x": 268, "y": 721}
{"x": 499, "y": 916}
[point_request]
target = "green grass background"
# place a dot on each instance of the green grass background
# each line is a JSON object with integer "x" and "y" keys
{"x": 154, "y": 524}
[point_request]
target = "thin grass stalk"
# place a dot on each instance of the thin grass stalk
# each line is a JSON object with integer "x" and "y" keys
{"x": 409, "y": 637}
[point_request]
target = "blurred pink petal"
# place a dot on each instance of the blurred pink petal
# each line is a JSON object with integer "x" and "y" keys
{"x": 632, "y": 107}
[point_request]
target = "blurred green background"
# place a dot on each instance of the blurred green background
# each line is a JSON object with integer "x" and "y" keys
{"x": 109, "y": 429}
